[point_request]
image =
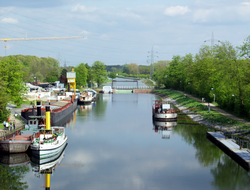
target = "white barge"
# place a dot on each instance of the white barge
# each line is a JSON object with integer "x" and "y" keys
{"x": 163, "y": 112}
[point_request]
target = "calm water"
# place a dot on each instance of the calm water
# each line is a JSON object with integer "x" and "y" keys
{"x": 113, "y": 144}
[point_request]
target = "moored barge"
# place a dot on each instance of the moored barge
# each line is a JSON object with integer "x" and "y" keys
{"x": 163, "y": 112}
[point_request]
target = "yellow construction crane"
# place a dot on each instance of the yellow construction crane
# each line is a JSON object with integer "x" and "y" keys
{"x": 41, "y": 38}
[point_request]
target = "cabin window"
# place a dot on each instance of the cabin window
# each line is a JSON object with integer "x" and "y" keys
{"x": 31, "y": 122}
{"x": 46, "y": 131}
{"x": 34, "y": 122}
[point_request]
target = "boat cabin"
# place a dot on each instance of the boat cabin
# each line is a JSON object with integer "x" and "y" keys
{"x": 162, "y": 107}
{"x": 45, "y": 134}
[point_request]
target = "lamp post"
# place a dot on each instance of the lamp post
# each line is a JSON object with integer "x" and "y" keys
{"x": 234, "y": 101}
{"x": 35, "y": 79}
{"x": 213, "y": 94}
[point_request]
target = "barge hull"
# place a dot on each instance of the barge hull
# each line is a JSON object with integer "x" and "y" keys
{"x": 57, "y": 117}
{"x": 14, "y": 146}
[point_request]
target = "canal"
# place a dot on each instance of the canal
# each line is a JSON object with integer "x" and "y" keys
{"x": 113, "y": 144}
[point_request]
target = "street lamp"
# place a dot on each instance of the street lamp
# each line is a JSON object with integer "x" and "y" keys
{"x": 213, "y": 94}
{"x": 35, "y": 79}
{"x": 234, "y": 100}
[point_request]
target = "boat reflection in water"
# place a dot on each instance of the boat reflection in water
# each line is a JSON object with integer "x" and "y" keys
{"x": 19, "y": 159}
{"x": 85, "y": 108}
{"x": 165, "y": 128}
{"x": 46, "y": 168}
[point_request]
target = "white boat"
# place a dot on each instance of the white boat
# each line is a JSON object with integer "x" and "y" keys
{"x": 87, "y": 96}
{"x": 163, "y": 112}
{"x": 49, "y": 141}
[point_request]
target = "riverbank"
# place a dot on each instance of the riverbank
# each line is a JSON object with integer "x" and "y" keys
{"x": 18, "y": 124}
{"x": 214, "y": 118}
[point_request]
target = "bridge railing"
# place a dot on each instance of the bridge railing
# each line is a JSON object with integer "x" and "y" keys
{"x": 133, "y": 87}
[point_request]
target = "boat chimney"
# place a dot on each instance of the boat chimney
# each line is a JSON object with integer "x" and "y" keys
{"x": 47, "y": 109}
{"x": 38, "y": 107}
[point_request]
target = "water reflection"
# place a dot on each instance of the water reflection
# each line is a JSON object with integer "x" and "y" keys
{"x": 18, "y": 159}
{"x": 85, "y": 108}
{"x": 165, "y": 128}
{"x": 13, "y": 168}
{"x": 47, "y": 168}
{"x": 118, "y": 149}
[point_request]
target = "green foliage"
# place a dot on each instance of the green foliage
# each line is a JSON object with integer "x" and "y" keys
{"x": 125, "y": 69}
{"x": 223, "y": 73}
{"x": 90, "y": 78}
{"x": 100, "y": 73}
{"x": 245, "y": 48}
{"x": 81, "y": 75}
{"x": 52, "y": 76}
{"x": 35, "y": 66}
{"x": 144, "y": 69}
{"x": 133, "y": 69}
{"x": 64, "y": 72}
{"x": 213, "y": 116}
{"x": 112, "y": 75}
{"x": 12, "y": 177}
{"x": 12, "y": 86}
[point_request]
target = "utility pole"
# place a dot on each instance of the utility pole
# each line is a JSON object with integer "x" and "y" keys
{"x": 212, "y": 42}
{"x": 151, "y": 61}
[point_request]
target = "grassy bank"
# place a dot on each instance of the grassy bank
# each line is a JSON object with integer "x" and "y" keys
{"x": 212, "y": 117}
{"x": 147, "y": 82}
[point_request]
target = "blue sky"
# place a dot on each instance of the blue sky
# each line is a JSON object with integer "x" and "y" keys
{"x": 119, "y": 32}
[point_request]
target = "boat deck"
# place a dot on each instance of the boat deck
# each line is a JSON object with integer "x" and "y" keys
{"x": 19, "y": 138}
{"x": 238, "y": 154}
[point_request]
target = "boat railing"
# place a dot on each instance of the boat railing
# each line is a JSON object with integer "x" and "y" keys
{"x": 15, "y": 133}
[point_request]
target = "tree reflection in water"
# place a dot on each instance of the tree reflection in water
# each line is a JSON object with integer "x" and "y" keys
{"x": 11, "y": 177}
{"x": 226, "y": 172}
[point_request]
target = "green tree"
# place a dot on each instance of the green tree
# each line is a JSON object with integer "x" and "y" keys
{"x": 4, "y": 99}
{"x": 133, "y": 68}
{"x": 90, "y": 78}
{"x": 125, "y": 69}
{"x": 64, "y": 72}
{"x": 52, "y": 76}
{"x": 100, "y": 73}
{"x": 81, "y": 75}
{"x": 12, "y": 76}
{"x": 245, "y": 48}
{"x": 112, "y": 75}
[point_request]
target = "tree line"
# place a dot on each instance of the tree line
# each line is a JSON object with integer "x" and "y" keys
{"x": 17, "y": 70}
{"x": 219, "y": 73}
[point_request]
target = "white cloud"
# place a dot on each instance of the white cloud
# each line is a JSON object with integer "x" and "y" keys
{"x": 203, "y": 15}
{"x": 176, "y": 10}
{"x": 9, "y": 20}
{"x": 84, "y": 32}
{"x": 246, "y": 3}
{"x": 82, "y": 8}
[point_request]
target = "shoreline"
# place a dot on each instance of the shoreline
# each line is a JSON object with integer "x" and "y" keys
{"x": 196, "y": 117}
